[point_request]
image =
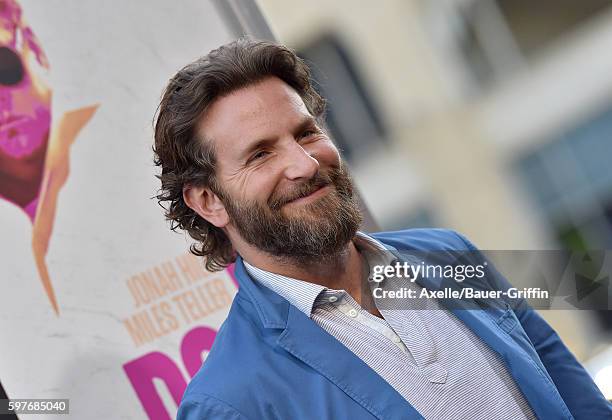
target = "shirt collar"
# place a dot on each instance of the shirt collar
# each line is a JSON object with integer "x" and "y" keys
{"x": 299, "y": 293}
{"x": 303, "y": 294}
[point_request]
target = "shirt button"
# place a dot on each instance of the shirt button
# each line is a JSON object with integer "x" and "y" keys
{"x": 396, "y": 339}
{"x": 352, "y": 313}
{"x": 333, "y": 298}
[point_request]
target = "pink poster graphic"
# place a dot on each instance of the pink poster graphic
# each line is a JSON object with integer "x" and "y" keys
{"x": 34, "y": 147}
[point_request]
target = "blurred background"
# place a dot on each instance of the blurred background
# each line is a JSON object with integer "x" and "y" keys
{"x": 491, "y": 117}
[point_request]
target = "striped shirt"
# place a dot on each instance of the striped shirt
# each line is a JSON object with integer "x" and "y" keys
{"x": 426, "y": 354}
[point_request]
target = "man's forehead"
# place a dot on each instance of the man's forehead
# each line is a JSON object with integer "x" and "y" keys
{"x": 248, "y": 113}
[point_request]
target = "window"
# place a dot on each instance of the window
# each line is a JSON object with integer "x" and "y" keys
{"x": 570, "y": 180}
{"x": 484, "y": 41}
{"x": 352, "y": 118}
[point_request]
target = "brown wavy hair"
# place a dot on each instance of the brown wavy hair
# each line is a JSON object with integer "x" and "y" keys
{"x": 186, "y": 157}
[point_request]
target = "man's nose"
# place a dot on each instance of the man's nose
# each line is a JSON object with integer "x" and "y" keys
{"x": 300, "y": 163}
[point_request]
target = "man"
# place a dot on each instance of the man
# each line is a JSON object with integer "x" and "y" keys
{"x": 249, "y": 173}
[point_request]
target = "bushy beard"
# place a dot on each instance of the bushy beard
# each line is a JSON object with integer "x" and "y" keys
{"x": 316, "y": 231}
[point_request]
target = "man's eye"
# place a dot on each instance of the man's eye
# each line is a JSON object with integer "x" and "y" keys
{"x": 258, "y": 155}
{"x": 309, "y": 132}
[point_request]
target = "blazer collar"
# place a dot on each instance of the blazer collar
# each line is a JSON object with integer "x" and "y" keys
{"x": 272, "y": 309}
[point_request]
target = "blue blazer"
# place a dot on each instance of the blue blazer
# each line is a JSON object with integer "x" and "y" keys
{"x": 270, "y": 361}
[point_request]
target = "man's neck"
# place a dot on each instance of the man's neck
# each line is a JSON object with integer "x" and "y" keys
{"x": 343, "y": 270}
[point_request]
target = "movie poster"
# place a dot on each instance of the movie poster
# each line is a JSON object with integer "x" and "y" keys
{"x": 101, "y": 303}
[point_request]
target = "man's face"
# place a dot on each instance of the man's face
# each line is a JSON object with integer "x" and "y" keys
{"x": 279, "y": 175}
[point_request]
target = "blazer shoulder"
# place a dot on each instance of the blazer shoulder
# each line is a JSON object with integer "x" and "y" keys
{"x": 425, "y": 239}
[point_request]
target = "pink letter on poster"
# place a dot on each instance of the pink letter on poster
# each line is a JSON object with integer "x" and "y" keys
{"x": 141, "y": 372}
{"x": 194, "y": 343}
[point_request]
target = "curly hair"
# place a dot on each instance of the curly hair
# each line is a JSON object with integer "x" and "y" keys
{"x": 186, "y": 157}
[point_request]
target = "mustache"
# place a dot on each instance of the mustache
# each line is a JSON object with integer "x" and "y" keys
{"x": 303, "y": 190}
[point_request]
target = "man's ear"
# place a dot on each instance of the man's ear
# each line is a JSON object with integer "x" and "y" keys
{"x": 207, "y": 204}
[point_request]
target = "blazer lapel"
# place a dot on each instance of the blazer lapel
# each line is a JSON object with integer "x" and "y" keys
{"x": 314, "y": 346}
{"x": 541, "y": 394}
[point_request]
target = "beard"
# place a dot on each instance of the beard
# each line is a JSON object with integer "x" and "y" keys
{"x": 315, "y": 231}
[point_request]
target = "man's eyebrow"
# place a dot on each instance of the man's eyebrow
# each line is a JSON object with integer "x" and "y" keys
{"x": 307, "y": 122}
{"x": 258, "y": 144}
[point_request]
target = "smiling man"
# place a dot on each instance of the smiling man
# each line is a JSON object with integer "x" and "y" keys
{"x": 248, "y": 171}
